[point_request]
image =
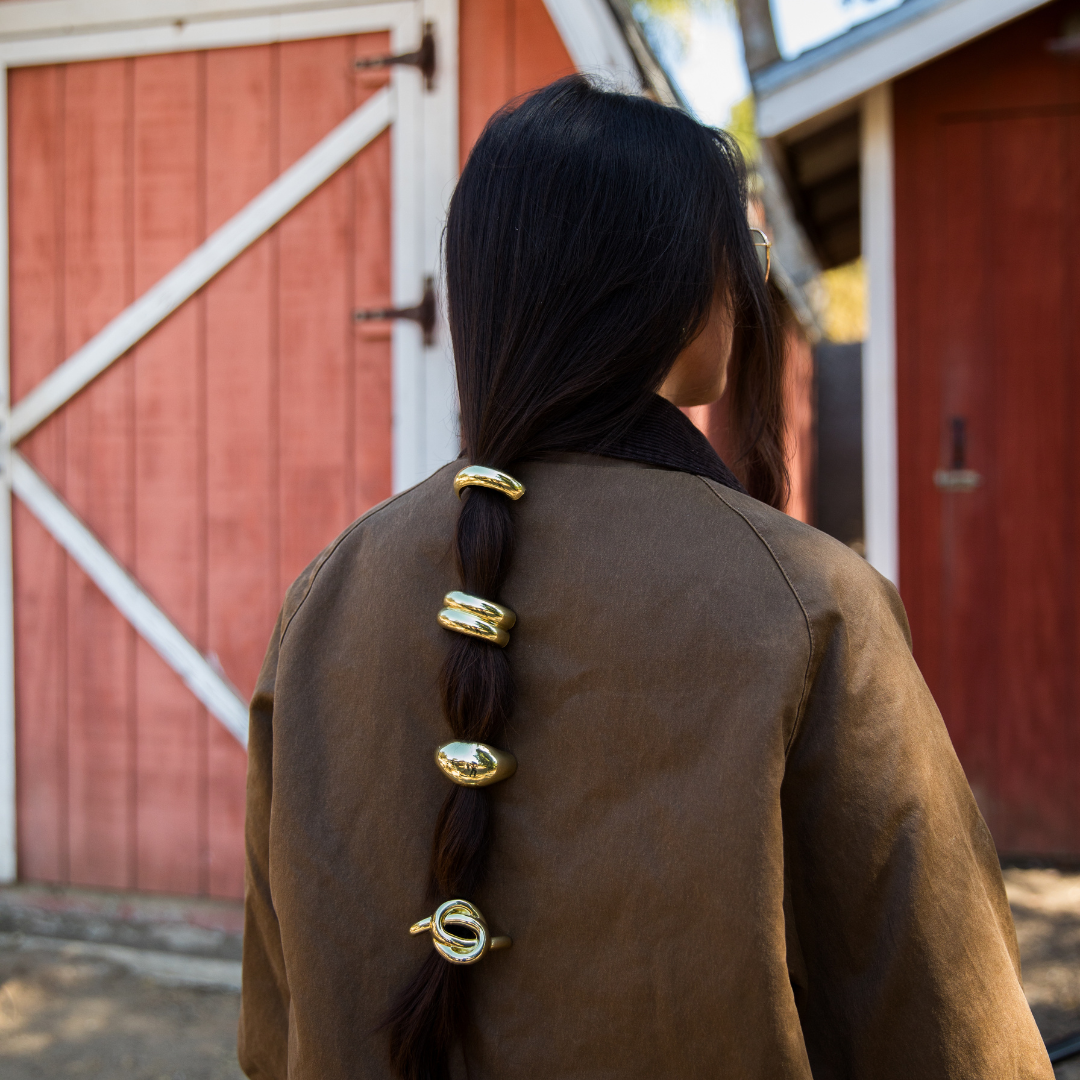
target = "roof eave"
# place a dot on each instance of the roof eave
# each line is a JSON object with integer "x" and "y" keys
{"x": 837, "y": 73}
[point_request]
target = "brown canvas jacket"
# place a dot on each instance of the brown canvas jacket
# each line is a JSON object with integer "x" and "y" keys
{"x": 738, "y": 843}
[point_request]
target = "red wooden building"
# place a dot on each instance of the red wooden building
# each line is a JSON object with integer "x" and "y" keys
{"x": 952, "y": 129}
{"x": 200, "y": 196}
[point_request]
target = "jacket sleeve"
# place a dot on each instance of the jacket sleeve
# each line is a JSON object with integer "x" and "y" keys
{"x": 264, "y": 1001}
{"x": 902, "y": 951}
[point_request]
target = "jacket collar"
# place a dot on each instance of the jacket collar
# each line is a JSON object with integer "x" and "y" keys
{"x": 665, "y": 436}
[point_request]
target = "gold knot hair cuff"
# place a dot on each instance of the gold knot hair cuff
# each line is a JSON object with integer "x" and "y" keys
{"x": 482, "y": 476}
{"x": 475, "y": 764}
{"x": 454, "y": 947}
{"x": 478, "y": 618}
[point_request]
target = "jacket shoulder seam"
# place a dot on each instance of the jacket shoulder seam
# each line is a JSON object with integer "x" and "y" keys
{"x": 325, "y": 557}
{"x": 798, "y": 599}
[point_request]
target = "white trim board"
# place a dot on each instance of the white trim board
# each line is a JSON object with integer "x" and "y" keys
{"x": 880, "y": 463}
{"x": 595, "y": 41}
{"x": 152, "y": 624}
{"x": 162, "y": 36}
{"x": 40, "y": 18}
{"x": 437, "y": 413}
{"x": 878, "y": 60}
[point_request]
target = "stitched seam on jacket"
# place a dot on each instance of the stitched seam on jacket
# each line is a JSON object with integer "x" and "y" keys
{"x": 798, "y": 600}
{"x": 326, "y": 555}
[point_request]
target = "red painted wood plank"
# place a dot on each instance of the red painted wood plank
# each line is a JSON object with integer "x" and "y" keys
{"x": 539, "y": 55}
{"x": 97, "y": 286}
{"x": 507, "y": 47}
{"x": 485, "y": 61}
{"x": 371, "y": 273}
{"x": 1027, "y": 315}
{"x": 40, "y": 702}
{"x": 918, "y": 255}
{"x": 314, "y": 310}
{"x": 36, "y": 137}
{"x": 1066, "y": 249}
{"x": 242, "y": 578}
{"x": 369, "y": 423}
{"x": 964, "y": 384}
{"x": 169, "y": 507}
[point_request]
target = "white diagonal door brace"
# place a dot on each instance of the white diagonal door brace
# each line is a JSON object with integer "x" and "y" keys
{"x": 210, "y": 258}
{"x": 125, "y": 592}
{"x": 127, "y": 329}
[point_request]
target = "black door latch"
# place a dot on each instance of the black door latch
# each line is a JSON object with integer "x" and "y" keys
{"x": 423, "y": 313}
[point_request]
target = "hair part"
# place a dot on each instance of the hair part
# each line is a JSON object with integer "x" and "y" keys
{"x": 586, "y": 240}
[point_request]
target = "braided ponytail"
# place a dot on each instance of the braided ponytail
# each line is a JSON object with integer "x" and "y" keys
{"x": 584, "y": 246}
{"x": 477, "y": 693}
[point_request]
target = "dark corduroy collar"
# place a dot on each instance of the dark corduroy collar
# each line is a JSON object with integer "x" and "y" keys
{"x": 665, "y": 436}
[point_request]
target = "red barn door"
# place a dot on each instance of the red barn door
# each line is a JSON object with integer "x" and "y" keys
{"x": 172, "y": 482}
{"x": 988, "y": 288}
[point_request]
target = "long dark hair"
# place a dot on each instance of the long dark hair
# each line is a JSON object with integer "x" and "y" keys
{"x": 586, "y": 240}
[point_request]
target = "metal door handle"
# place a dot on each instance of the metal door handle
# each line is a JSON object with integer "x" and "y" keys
{"x": 959, "y": 477}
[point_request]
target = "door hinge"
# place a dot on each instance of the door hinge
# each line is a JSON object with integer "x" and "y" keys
{"x": 422, "y": 58}
{"x": 423, "y": 313}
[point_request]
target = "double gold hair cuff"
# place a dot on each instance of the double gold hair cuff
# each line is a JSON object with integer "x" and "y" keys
{"x": 478, "y": 618}
{"x": 454, "y": 947}
{"x": 482, "y": 476}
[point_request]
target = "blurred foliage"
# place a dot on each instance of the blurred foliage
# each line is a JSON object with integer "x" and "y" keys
{"x": 667, "y": 22}
{"x": 842, "y": 302}
{"x": 742, "y": 124}
{"x": 671, "y": 9}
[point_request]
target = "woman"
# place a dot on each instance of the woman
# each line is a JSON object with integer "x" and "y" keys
{"x": 737, "y": 842}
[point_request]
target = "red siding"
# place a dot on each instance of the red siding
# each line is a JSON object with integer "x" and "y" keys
{"x": 97, "y": 425}
{"x": 214, "y": 461}
{"x": 988, "y": 164}
{"x": 508, "y": 47}
{"x": 37, "y": 340}
{"x": 799, "y": 420}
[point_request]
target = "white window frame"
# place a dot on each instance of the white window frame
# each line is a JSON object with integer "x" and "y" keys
{"x": 424, "y": 166}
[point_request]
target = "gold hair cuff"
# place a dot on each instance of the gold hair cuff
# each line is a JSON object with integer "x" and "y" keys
{"x": 482, "y": 476}
{"x": 452, "y": 947}
{"x": 475, "y": 764}
{"x": 478, "y": 618}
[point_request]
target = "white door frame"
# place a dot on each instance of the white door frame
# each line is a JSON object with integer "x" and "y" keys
{"x": 881, "y": 501}
{"x": 424, "y": 166}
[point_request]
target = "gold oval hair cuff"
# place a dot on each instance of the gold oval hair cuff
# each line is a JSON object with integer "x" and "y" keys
{"x": 453, "y": 947}
{"x": 475, "y": 764}
{"x": 482, "y": 476}
{"x": 478, "y": 618}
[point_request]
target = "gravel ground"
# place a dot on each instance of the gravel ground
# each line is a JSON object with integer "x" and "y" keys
{"x": 70, "y": 1015}
{"x": 74, "y": 1016}
{"x": 1046, "y": 909}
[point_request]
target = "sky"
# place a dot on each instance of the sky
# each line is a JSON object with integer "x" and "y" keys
{"x": 709, "y": 68}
